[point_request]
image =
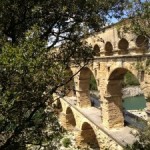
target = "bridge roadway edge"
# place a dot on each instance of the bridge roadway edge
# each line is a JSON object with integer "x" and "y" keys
{"x": 122, "y": 143}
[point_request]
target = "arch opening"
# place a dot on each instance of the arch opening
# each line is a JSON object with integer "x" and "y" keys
{"x": 141, "y": 41}
{"x": 108, "y": 49}
{"x": 88, "y": 137}
{"x": 126, "y": 98}
{"x": 94, "y": 93}
{"x": 123, "y": 44}
{"x": 88, "y": 94}
{"x": 70, "y": 119}
{"x": 96, "y": 50}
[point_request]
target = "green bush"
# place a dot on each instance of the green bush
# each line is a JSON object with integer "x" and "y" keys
{"x": 130, "y": 79}
{"x": 66, "y": 142}
{"x": 93, "y": 84}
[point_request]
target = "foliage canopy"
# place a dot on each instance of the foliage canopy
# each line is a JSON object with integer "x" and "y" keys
{"x": 31, "y": 70}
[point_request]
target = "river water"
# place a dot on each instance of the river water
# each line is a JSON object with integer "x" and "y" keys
{"x": 134, "y": 103}
{"x": 129, "y": 103}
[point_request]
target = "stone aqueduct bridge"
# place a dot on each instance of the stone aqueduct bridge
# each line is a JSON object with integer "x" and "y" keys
{"x": 115, "y": 54}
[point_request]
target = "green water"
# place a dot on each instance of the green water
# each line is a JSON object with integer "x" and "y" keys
{"x": 134, "y": 103}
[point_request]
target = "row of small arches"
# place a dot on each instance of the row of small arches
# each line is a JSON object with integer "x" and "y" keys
{"x": 141, "y": 42}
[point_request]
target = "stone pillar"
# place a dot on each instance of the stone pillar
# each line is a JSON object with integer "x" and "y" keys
{"x": 83, "y": 93}
{"x": 83, "y": 98}
{"x": 112, "y": 112}
{"x": 112, "y": 109}
{"x": 70, "y": 93}
{"x": 62, "y": 120}
{"x": 78, "y": 138}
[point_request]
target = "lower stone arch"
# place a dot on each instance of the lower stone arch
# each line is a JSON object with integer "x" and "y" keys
{"x": 87, "y": 137}
{"x": 112, "y": 111}
{"x": 70, "y": 119}
{"x": 83, "y": 87}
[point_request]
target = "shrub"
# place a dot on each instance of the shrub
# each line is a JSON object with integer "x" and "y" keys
{"x": 93, "y": 84}
{"x": 66, "y": 142}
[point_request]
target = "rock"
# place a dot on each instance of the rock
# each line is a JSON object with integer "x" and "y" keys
{"x": 134, "y": 132}
{"x": 131, "y": 91}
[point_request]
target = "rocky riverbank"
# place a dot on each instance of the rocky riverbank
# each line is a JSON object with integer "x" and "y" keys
{"x": 131, "y": 91}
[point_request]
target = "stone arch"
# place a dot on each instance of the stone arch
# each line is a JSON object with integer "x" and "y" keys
{"x": 113, "y": 116}
{"x": 87, "y": 137}
{"x": 141, "y": 41}
{"x": 123, "y": 44}
{"x": 83, "y": 87}
{"x": 96, "y": 50}
{"x": 108, "y": 49}
{"x": 70, "y": 119}
{"x": 119, "y": 73}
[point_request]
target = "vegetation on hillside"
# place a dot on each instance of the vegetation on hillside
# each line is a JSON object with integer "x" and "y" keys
{"x": 139, "y": 14}
{"x": 142, "y": 142}
{"x": 93, "y": 84}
